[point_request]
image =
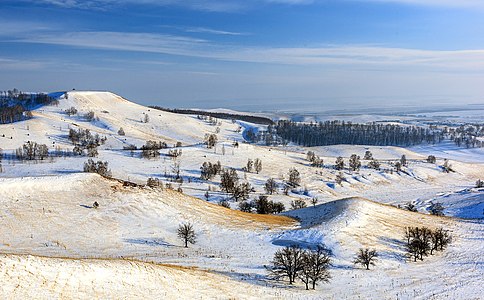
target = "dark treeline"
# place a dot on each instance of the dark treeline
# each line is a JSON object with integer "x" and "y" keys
{"x": 15, "y": 105}
{"x": 340, "y": 132}
{"x": 246, "y": 118}
{"x": 12, "y": 114}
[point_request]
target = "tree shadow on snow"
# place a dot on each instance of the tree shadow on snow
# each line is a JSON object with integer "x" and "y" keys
{"x": 257, "y": 279}
{"x": 154, "y": 242}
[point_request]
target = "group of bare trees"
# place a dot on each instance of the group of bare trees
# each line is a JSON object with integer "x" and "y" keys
{"x": 479, "y": 183}
{"x": 151, "y": 149}
{"x": 262, "y": 205}
{"x": 436, "y": 209}
{"x": 209, "y": 170}
{"x": 98, "y": 167}
{"x": 71, "y": 111}
{"x": 210, "y": 140}
{"x": 314, "y": 159}
{"x": 229, "y": 182}
{"x": 422, "y": 241}
{"x": 467, "y": 135}
{"x": 253, "y": 165}
{"x": 83, "y": 139}
{"x": 311, "y": 266}
{"x": 32, "y": 151}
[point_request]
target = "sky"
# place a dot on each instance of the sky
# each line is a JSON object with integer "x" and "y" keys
{"x": 249, "y": 54}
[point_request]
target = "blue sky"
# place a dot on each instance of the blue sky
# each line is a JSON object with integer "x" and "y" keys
{"x": 252, "y": 54}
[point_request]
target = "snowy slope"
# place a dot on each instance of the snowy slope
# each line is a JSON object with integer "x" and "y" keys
{"x": 55, "y": 242}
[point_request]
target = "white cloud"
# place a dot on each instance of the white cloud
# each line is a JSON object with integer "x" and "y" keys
{"x": 344, "y": 55}
{"x": 237, "y": 5}
{"x": 212, "y": 31}
{"x": 17, "y": 64}
{"x": 445, "y": 3}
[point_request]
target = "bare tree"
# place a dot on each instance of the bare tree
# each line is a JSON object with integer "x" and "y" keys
{"x": 354, "y": 162}
{"x": 368, "y": 155}
{"x": 228, "y": 180}
{"x": 310, "y": 156}
{"x": 440, "y": 239}
{"x": 294, "y": 177}
{"x": 287, "y": 262}
{"x": 374, "y": 164}
{"x": 422, "y": 240}
{"x": 339, "y": 164}
{"x": 99, "y": 167}
{"x": 340, "y": 177}
{"x": 71, "y": 111}
{"x": 436, "y": 209}
{"x": 403, "y": 160}
{"x": 249, "y": 166}
{"x": 89, "y": 116}
{"x": 257, "y": 165}
{"x": 413, "y": 249}
{"x": 270, "y": 186}
{"x": 187, "y": 234}
{"x": 298, "y": 204}
{"x": 479, "y": 183}
{"x": 314, "y": 201}
{"x": 242, "y": 191}
{"x": 317, "y": 162}
{"x": 245, "y": 206}
{"x": 410, "y": 206}
{"x": 210, "y": 140}
{"x": 366, "y": 257}
{"x": 315, "y": 267}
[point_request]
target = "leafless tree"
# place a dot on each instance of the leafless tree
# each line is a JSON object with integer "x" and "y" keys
{"x": 368, "y": 155}
{"x": 294, "y": 178}
{"x": 210, "y": 140}
{"x": 187, "y": 234}
{"x": 366, "y": 257}
{"x": 436, "y": 209}
{"x": 315, "y": 267}
{"x": 298, "y": 204}
{"x": 431, "y": 159}
{"x": 339, "y": 164}
{"x": 354, "y": 162}
{"x": 270, "y": 186}
{"x": 479, "y": 183}
{"x": 257, "y": 165}
{"x": 410, "y": 206}
{"x": 287, "y": 262}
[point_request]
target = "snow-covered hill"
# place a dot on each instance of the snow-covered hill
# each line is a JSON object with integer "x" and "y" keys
{"x": 56, "y": 245}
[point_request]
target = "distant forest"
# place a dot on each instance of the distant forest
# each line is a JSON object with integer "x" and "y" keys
{"x": 15, "y": 105}
{"x": 219, "y": 115}
{"x": 340, "y": 132}
{"x": 374, "y": 134}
